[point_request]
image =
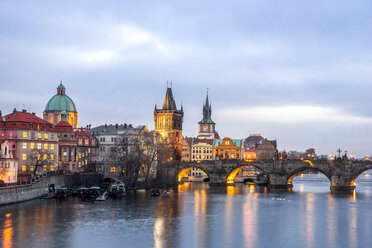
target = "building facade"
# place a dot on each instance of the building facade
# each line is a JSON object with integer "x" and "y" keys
{"x": 32, "y": 140}
{"x": 227, "y": 148}
{"x": 168, "y": 124}
{"x": 266, "y": 150}
{"x": 202, "y": 149}
{"x": 8, "y": 163}
{"x": 59, "y": 103}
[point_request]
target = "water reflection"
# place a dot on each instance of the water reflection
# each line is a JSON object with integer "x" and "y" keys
{"x": 8, "y": 231}
{"x": 197, "y": 215}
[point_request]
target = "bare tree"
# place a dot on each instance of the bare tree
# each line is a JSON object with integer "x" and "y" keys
{"x": 40, "y": 158}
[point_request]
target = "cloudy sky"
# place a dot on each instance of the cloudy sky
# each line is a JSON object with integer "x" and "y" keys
{"x": 296, "y": 71}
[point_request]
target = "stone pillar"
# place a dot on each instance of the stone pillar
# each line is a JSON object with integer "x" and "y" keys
{"x": 278, "y": 180}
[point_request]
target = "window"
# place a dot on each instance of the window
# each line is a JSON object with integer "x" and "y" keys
{"x": 52, "y": 146}
{"x": 38, "y": 157}
{"x": 45, "y": 168}
{"x": 24, "y": 156}
{"x": 39, "y": 135}
{"x": 24, "y": 134}
{"x": 46, "y": 136}
{"x": 24, "y": 168}
{"x": 112, "y": 169}
{"x": 38, "y": 146}
{"x": 24, "y": 145}
{"x": 88, "y": 150}
{"x": 79, "y": 155}
{"x": 51, "y": 168}
{"x": 45, "y": 146}
{"x": 52, "y": 136}
{"x": 32, "y": 135}
{"x": 32, "y": 168}
{"x": 45, "y": 156}
{"x": 32, "y": 145}
{"x": 51, "y": 156}
{"x": 86, "y": 161}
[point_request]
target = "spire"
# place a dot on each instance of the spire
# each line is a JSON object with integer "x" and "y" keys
{"x": 207, "y": 111}
{"x": 169, "y": 103}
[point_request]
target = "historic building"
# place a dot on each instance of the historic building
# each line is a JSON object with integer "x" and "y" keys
{"x": 108, "y": 136}
{"x": 168, "y": 124}
{"x": 32, "y": 140}
{"x": 228, "y": 148}
{"x": 207, "y": 129}
{"x": 59, "y": 103}
{"x": 86, "y": 152}
{"x": 266, "y": 149}
{"x": 253, "y": 140}
{"x": 201, "y": 149}
{"x": 186, "y": 149}
{"x": 8, "y": 163}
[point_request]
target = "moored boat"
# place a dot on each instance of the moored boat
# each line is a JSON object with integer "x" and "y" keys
{"x": 115, "y": 191}
{"x": 61, "y": 193}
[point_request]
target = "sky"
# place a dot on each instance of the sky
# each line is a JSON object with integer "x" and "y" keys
{"x": 296, "y": 71}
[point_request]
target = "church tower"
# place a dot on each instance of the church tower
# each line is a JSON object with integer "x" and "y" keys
{"x": 206, "y": 125}
{"x": 168, "y": 123}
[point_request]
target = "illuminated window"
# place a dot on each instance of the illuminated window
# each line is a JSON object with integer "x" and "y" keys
{"x": 46, "y": 136}
{"x": 51, "y": 156}
{"x": 24, "y": 134}
{"x": 45, "y": 146}
{"x": 32, "y": 168}
{"x": 86, "y": 161}
{"x": 24, "y": 168}
{"x": 51, "y": 168}
{"x": 88, "y": 150}
{"x": 52, "y": 146}
{"x": 32, "y": 145}
{"x": 24, "y": 146}
{"x": 45, "y": 156}
{"x": 38, "y": 146}
{"x": 45, "y": 168}
{"x": 39, "y": 135}
{"x": 113, "y": 169}
{"x": 38, "y": 157}
{"x": 24, "y": 156}
{"x": 79, "y": 155}
{"x": 51, "y": 118}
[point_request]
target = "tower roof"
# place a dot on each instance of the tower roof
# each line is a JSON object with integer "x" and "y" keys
{"x": 207, "y": 112}
{"x": 169, "y": 103}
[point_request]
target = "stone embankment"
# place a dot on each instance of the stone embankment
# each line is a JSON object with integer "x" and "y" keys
{"x": 24, "y": 191}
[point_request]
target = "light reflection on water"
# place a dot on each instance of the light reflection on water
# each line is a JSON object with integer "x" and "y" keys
{"x": 199, "y": 215}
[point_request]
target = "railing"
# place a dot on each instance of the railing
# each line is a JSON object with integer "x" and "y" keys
{"x": 32, "y": 181}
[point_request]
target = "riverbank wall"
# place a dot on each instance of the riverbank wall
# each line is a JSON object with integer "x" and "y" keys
{"x": 30, "y": 190}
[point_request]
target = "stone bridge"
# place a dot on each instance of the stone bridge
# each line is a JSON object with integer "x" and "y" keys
{"x": 340, "y": 172}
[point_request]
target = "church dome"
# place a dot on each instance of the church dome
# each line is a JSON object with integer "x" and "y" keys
{"x": 61, "y": 102}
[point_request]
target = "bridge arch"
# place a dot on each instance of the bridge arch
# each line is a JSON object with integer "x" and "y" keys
{"x": 184, "y": 172}
{"x": 356, "y": 175}
{"x": 310, "y": 166}
{"x": 232, "y": 174}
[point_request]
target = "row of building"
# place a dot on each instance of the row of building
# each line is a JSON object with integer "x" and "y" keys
{"x": 29, "y": 144}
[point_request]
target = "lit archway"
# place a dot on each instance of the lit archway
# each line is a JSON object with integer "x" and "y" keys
{"x": 366, "y": 173}
{"x": 231, "y": 177}
{"x": 309, "y": 167}
{"x": 185, "y": 173}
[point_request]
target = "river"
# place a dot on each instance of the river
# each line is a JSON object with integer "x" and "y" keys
{"x": 199, "y": 215}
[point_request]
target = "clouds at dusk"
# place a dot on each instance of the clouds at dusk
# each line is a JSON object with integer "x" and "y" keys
{"x": 297, "y": 71}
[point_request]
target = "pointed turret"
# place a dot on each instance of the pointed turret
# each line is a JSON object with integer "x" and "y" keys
{"x": 207, "y": 112}
{"x": 169, "y": 103}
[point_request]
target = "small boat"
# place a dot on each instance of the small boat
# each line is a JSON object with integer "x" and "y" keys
{"x": 115, "y": 191}
{"x": 155, "y": 192}
{"x": 94, "y": 192}
{"x": 74, "y": 192}
{"x": 103, "y": 197}
{"x": 61, "y": 193}
{"x": 83, "y": 192}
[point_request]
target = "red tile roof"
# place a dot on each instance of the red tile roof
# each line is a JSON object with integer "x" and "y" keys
{"x": 24, "y": 120}
{"x": 63, "y": 126}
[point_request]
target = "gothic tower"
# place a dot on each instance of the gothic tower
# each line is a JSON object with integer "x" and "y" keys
{"x": 168, "y": 123}
{"x": 206, "y": 125}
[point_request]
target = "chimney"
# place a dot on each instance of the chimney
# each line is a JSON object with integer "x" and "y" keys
{"x": 105, "y": 125}
{"x": 116, "y": 125}
{"x": 24, "y": 111}
{"x": 0, "y": 113}
{"x": 130, "y": 125}
{"x": 33, "y": 113}
{"x": 125, "y": 125}
{"x": 14, "y": 110}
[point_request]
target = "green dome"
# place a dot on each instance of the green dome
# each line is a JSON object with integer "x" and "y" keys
{"x": 60, "y": 102}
